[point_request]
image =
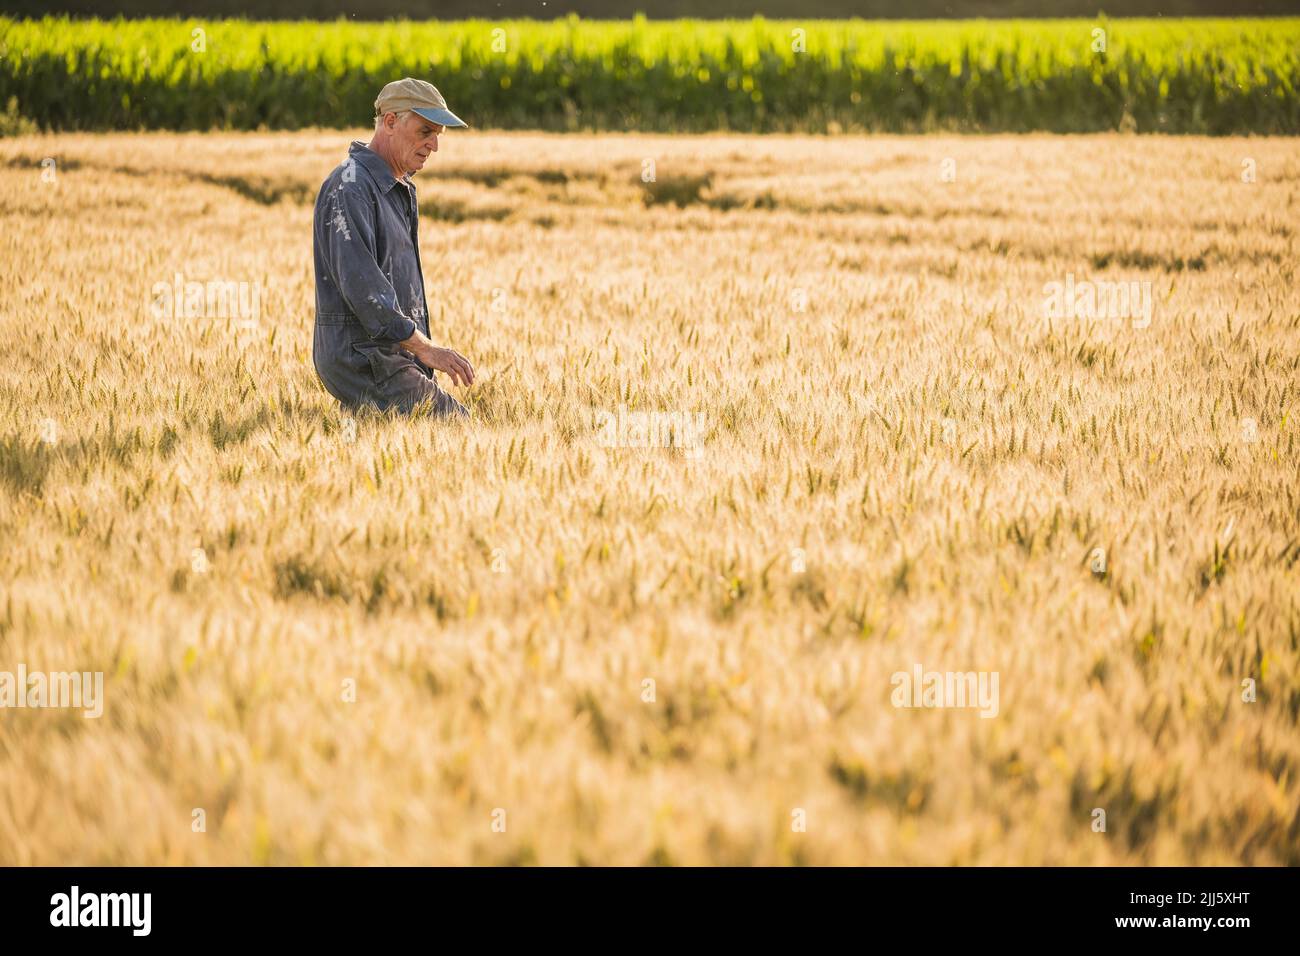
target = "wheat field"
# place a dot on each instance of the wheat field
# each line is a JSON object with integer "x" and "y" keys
{"x": 329, "y": 640}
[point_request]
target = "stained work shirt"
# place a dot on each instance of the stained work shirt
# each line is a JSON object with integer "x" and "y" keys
{"x": 369, "y": 286}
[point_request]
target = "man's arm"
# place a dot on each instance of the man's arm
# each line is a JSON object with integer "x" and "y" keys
{"x": 444, "y": 360}
{"x": 349, "y": 237}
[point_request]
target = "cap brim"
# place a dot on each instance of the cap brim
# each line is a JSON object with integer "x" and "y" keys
{"x": 442, "y": 117}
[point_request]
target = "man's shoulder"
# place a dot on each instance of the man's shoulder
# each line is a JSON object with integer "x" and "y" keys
{"x": 347, "y": 172}
{"x": 356, "y": 167}
{"x": 350, "y": 180}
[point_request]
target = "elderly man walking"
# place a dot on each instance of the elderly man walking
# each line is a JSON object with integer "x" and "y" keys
{"x": 371, "y": 344}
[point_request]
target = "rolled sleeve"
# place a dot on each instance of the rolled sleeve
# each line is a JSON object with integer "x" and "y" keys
{"x": 349, "y": 237}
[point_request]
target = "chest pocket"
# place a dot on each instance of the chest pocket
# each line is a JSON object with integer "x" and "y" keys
{"x": 393, "y": 241}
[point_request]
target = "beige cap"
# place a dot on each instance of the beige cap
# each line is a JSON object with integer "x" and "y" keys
{"x": 417, "y": 95}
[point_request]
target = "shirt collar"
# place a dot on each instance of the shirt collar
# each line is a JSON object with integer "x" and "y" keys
{"x": 374, "y": 164}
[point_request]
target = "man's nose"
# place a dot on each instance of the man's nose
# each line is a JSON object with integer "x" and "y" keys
{"x": 433, "y": 144}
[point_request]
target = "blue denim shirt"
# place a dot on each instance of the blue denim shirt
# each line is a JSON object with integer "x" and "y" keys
{"x": 369, "y": 285}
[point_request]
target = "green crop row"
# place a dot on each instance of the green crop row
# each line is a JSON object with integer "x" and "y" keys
{"x": 1196, "y": 76}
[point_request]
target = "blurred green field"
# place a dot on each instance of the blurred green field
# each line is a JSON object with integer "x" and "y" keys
{"x": 1185, "y": 75}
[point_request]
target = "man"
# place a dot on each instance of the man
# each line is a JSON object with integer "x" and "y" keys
{"x": 371, "y": 345}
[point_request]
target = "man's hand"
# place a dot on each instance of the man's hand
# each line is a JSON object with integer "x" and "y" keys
{"x": 443, "y": 360}
{"x": 451, "y": 362}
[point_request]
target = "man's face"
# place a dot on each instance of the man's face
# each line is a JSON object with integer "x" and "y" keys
{"x": 414, "y": 139}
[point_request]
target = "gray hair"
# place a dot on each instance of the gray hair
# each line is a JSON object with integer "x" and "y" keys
{"x": 379, "y": 119}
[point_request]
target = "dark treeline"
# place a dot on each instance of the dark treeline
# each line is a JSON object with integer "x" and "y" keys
{"x": 621, "y": 9}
